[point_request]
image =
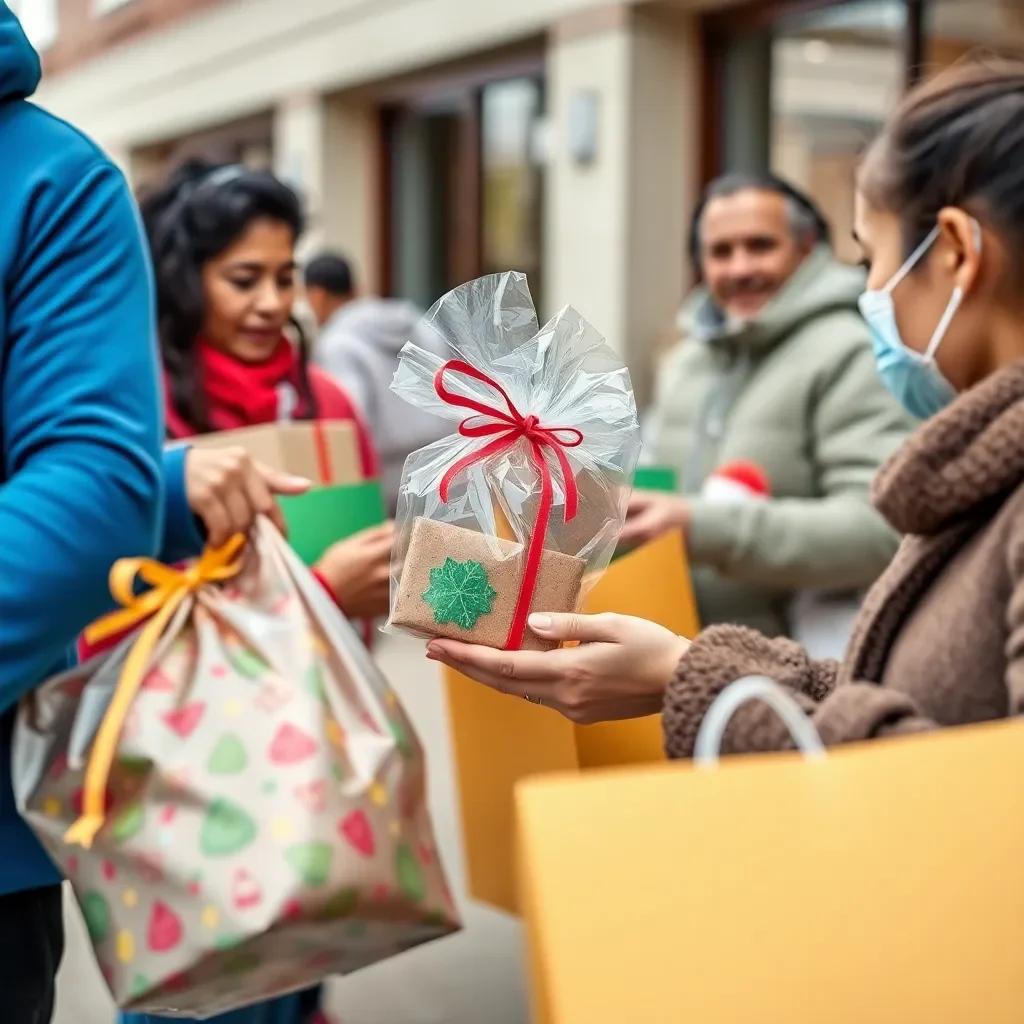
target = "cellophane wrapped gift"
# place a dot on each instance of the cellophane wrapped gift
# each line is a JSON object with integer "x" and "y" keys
{"x": 253, "y": 818}
{"x": 520, "y": 508}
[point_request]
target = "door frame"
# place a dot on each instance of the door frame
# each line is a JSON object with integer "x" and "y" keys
{"x": 460, "y": 84}
{"x": 719, "y": 27}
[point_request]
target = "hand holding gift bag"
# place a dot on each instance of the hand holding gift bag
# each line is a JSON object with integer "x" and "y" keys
{"x": 520, "y": 509}
{"x": 245, "y": 796}
{"x": 875, "y": 884}
{"x": 341, "y": 502}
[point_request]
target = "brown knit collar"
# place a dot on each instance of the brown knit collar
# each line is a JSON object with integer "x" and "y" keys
{"x": 967, "y": 454}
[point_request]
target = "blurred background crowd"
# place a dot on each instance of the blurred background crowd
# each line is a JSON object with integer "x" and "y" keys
{"x": 570, "y": 139}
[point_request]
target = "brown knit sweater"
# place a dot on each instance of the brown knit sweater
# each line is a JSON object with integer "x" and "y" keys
{"x": 940, "y": 638}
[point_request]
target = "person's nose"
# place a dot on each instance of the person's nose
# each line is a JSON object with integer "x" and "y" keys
{"x": 270, "y": 299}
{"x": 741, "y": 264}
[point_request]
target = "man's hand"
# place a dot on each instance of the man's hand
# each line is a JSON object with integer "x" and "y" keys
{"x": 358, "y": 571}
{"x": 652, "y": 513}
{"x": 227, "y": 489}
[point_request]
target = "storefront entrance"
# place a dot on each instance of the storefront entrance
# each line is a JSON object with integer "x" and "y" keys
{"x": 463, "y": 190}
{"x": 800, "y": 88}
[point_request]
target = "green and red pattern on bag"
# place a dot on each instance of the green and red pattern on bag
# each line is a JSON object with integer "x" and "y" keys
{"x": 266, "y": 819}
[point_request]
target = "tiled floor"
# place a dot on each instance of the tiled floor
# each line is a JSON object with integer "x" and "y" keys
{"x": 475, "y": 977}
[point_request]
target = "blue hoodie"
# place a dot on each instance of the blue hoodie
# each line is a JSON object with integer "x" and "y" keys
{"x": 80, "y": 407}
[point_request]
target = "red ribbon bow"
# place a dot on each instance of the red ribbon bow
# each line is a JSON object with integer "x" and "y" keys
{"x": 508, "y": 428}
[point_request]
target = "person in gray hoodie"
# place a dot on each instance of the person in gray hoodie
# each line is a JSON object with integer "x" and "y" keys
{"x": 360, "y": 338}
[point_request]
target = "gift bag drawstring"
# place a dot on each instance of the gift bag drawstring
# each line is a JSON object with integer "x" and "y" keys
{"x": 169, "y": 587}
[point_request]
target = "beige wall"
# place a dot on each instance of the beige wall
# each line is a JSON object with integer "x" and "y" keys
{"x": 585, "y": 234}
{"x": 351, "y": 199}
{"x": 615, "y": 229}
{"x": 85, "y": 33}
{"x": 664, "y": 148}
{"x": 327, "y": 148}
{"x": 237, "y": 58}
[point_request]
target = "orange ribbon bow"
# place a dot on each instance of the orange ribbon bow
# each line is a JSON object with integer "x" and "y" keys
{"x": 169, "y": 587}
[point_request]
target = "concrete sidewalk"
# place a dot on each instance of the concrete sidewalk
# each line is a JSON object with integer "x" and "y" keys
{"x": 471, "y": 978}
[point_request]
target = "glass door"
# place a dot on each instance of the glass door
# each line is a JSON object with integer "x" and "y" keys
{"x": 802, "y": 94}
{"x": 511, "y": 160}
{"x": 464, "y": 183}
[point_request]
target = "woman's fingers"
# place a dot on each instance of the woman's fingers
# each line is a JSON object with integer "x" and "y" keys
{"x": 260, "y": 492}
{"x": 282, "y": 483}
{"x": 217, "y": 521}
{"x": 512, "y": 667}
{"x": 239, "y": 509}
{"x": 510, "y": 685}
{"x": 581, "y": 628}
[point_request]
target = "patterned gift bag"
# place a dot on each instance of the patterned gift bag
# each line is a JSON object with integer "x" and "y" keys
{"x": 234, "y": 793}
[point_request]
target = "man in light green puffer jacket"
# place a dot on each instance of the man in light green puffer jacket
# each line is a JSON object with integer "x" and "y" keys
{"x": 776, "y": 369}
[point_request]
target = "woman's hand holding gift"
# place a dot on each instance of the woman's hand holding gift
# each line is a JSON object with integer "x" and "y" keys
{"x": 227, "y": 489}
{"x": 357, "y": 571}
{"x": 619, "y": 669}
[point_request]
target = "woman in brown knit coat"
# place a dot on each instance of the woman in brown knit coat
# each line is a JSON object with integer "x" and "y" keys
{"x": 940, "y": 639}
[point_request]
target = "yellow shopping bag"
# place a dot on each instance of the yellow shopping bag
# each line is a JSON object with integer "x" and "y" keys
{"x": 879, "y": 884}
{"x": 499, "y": 740}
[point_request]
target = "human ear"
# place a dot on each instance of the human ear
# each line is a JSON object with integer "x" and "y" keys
{"x": 960, "y": 246}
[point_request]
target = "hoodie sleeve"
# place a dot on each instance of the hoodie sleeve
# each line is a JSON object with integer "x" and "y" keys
{"x": 82, "y": 432}
{"x": 836, "y": 540}
{"x": 337, "y": 354}
{"x": 183, "y": 535}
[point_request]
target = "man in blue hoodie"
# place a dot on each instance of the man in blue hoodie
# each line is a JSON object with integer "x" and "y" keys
{"x": 80, "y": 441}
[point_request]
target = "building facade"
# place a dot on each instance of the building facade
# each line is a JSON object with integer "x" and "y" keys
{"x": 435, "y": 140}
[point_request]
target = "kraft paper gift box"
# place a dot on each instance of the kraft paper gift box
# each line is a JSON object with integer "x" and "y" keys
{"x": 320, "y": 450}
{"x": 460, "y": 584}
{"x": 880, "y": 883}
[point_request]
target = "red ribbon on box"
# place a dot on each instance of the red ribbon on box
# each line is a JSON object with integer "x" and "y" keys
{"x": 508, "y": 428}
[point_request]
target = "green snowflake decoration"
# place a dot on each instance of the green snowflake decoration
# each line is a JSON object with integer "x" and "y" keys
{"x": 460, "y": 592}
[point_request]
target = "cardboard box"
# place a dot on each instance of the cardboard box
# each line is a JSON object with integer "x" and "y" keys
{"x": 291, "y": 447}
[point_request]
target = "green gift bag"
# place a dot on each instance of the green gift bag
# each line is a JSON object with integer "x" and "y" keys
{"x": 323, "y": 516}
{"x": 655, "y": 478}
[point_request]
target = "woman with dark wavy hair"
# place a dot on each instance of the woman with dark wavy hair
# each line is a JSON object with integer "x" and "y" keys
{"x": 223, "y": 245}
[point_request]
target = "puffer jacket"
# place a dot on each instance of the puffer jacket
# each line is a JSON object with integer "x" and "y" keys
{"x": 795, "y": 391}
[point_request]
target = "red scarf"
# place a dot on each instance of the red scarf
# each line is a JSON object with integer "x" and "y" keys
{"x": 249, "y": 394}
{"x": 241, "y": 394}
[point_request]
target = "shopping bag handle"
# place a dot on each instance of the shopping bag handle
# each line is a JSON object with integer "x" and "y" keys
{"x": 743, "y": 691}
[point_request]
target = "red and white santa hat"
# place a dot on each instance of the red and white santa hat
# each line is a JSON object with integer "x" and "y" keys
{"x": 737, "y": 481}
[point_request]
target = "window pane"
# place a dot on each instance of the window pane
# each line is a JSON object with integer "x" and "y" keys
{"x": 511, "y": 222}
{"x": 836, "y": 75}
